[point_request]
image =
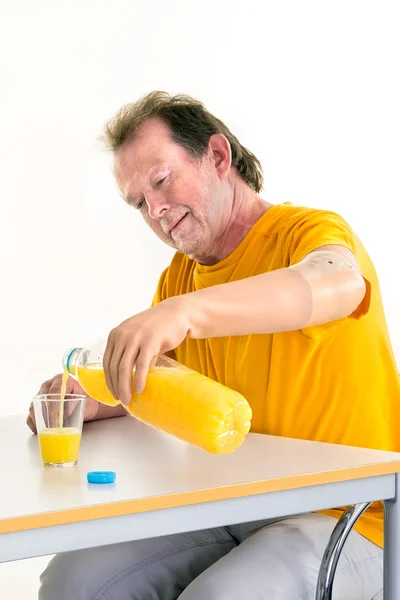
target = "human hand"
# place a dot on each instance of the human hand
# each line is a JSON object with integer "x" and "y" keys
{"x": 53, "y": 386}
{"x": 138, "y": 341}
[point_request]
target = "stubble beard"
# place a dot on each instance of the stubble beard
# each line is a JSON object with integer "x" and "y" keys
{"x": 190, "y": 242}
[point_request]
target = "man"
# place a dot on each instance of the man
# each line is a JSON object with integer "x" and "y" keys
{"x": 281, "y": 303}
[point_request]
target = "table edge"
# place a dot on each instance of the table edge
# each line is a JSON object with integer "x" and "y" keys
{"x": 146, "y": 504}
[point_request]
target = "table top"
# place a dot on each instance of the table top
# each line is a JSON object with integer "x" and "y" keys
{"x": 157, "y": 471}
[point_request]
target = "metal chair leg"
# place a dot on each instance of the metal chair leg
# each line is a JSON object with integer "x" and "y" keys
{"x": 334, "y": 548}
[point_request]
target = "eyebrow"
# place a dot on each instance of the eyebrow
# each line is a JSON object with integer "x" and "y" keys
{"x": 130, "y": 199}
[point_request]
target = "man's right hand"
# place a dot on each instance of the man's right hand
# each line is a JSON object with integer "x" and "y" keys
{"x": 53, "y": 386}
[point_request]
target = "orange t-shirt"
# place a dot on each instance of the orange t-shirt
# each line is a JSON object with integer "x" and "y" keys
{"x": 335, "y": 383}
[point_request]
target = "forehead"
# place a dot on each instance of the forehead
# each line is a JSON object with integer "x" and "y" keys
{"x": 152, "y": 146}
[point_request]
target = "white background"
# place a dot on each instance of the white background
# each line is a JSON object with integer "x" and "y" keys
{"x": 312, "y": 88}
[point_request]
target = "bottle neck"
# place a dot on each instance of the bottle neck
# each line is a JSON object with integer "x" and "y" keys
{"x": 71, "y": 360}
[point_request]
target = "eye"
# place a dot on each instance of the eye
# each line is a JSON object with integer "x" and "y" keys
{"x": 160, "y": 181}
{"x": 139, "y": 205}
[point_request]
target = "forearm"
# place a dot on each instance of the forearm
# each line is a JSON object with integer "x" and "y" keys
{"x": 326, "y": 286}
{"x": 267, "y": 303}
{"x": 107, "y": 412}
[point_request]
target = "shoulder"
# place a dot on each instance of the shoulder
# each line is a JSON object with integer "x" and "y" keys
{"x": 300, "y": 230}
{"x": 289, "y": 216}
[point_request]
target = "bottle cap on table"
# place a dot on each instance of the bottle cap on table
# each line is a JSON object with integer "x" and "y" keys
{"x": 101, "y": 476}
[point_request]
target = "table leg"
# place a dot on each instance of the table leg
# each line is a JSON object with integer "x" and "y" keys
{"x": 333, "y": 549}
{"x": 391, "y": 550}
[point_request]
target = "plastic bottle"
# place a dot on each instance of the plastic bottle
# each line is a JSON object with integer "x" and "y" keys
{"x": 176, "y": 399}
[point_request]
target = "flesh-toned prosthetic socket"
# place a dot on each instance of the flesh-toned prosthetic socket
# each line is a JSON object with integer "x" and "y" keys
{"x": 336, "y": 284}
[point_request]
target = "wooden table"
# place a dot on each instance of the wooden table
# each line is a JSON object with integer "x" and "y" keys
{"x": 165, "y": 486}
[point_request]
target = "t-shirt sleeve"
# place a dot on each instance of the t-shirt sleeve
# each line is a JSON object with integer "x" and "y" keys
{"x": 315, "y": 229}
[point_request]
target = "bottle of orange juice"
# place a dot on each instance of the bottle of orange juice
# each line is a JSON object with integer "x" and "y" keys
{"x": 176, "y": 399}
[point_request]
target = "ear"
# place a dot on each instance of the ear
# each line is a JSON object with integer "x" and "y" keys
{"x": 220, "y": 154}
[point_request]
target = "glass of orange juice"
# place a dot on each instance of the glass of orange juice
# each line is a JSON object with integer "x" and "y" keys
{"x": 59, "y": 423}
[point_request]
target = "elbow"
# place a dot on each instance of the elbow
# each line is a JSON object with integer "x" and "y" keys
{"x": 360, "y": 291}
{"x": 354, "y": 295}
{"x": 338, "y": 301}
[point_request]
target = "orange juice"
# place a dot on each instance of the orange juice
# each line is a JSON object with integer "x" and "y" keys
{"x": 93, "y": 380}
{"x": 62, "y": 397}
{"x": 59, "y": 445}
{"x": 181, "y": 402}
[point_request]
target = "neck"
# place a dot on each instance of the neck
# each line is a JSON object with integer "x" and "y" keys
{"x": 247, "y": 209}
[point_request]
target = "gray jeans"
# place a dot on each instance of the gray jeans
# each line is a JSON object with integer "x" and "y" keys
{"x": 264, "y": 560}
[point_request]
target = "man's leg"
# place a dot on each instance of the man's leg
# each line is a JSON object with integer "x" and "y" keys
{"x": 281, "y": 561}
{"x": 154, "y": 569}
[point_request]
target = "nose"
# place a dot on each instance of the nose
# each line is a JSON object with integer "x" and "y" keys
{"x": 157, "y": 204}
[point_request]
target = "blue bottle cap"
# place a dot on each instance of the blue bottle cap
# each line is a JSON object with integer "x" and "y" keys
{"x": 101, "y": 476}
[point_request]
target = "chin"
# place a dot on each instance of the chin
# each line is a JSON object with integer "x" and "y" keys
{"x": 190, "y": 244}
{"x": 189, "y": 248}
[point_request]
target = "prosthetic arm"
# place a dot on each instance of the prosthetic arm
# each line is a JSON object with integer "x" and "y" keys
{"x": 325, "y": 286}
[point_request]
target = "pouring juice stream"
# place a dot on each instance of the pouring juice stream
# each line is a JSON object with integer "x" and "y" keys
{"x": 62, "y": 397}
